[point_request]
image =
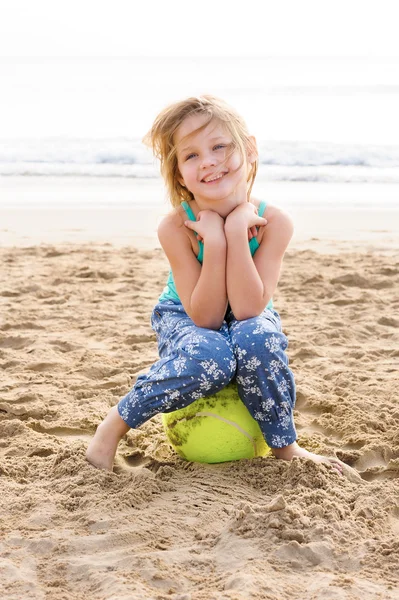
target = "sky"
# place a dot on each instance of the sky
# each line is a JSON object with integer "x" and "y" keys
{"x": 260, "y": 28}
{"x": 58, "y": 76}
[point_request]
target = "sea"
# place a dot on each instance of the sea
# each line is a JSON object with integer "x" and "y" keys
{"x": 331, "y": 120}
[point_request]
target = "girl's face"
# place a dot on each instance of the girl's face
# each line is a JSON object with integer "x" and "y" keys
{"x": 203, "y": 167}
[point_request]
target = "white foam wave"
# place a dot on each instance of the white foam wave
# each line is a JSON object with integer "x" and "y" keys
{"x": 123, "y": 157}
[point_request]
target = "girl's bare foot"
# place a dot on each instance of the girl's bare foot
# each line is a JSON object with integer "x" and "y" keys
{"x": 102, "y": 448}
{"x": 289, "y": 452}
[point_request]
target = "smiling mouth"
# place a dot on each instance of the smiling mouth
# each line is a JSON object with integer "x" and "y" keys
{"x": 214, "y": 179}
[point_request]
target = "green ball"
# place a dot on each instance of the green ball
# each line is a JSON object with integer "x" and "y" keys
{"x": 215, "y": 429}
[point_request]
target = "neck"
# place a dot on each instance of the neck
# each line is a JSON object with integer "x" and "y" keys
{"x": 223, "y": 207}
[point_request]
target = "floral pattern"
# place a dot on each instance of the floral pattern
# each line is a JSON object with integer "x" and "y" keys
{"x": 196, "y": 362}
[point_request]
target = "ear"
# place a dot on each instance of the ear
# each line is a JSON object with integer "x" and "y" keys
{"x": 252, "y": 150}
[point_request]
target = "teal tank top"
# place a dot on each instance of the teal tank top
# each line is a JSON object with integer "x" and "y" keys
{"x": 170, "y": 292}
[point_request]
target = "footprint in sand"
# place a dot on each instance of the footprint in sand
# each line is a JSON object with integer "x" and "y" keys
{"x": 62, "y": 432}
{"x": 344, "y": 301}
{"x": 305, "y": 404}
{"x": 356, "y": 280}
{"x": 15, "y": 342}
{"x": 306, "y": 352}
{"x": 23, "y": 411}
{"x": 22, "y": 325}
{"x": 388, "y": 271}
{"x": 388, "y": 322}
{"x": 136, "y": 338}
{"x": 54, "y": 301}
{"x": 85, "y": 273}
{"x": 64, "y": 346}
{"x": 378, "y": 464}
{"x": 9, "y": 364}
{"x": 394, "y": 522}
{"x": 351, "y": 280}
{"x": 10, "y": 293}
{"x": 45, "y": 367}
{"x": 53, "y": 253}
{"x": 136, "y": 460}
{"x": 354, "y": 445}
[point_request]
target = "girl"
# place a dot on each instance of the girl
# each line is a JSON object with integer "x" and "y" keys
{"x": 215, "y": 319}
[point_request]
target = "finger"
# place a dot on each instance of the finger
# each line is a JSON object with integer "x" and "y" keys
{"x": 191, "y": 225}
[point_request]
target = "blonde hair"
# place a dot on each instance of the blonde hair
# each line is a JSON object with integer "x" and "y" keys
{"x": 160, "y": 139}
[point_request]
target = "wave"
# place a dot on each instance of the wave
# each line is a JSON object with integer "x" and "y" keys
{"x": 124, "y": 157}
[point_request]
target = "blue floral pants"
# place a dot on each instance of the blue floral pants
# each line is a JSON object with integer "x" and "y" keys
{"x": 197, "y": 362}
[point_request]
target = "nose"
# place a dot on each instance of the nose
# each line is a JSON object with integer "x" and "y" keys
{"x": 208, "y": 161}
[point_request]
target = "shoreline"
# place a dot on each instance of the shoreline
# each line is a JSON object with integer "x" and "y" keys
{"x": 39, "y": 210}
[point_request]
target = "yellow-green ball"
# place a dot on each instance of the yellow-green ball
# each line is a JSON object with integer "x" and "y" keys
{"x": 215, "y": 429}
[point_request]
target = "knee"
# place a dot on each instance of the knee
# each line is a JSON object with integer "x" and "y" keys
{"x": 258, "y": 337}
{"x": 274, "y": 342}
{"x": 214, "y": 355}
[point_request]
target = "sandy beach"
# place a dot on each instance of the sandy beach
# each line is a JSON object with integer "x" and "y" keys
{"x": 76, "y": 298}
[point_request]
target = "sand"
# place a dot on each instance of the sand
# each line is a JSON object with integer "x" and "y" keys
{"x": 74, "y": 335}
{"x": 126, "y": 212}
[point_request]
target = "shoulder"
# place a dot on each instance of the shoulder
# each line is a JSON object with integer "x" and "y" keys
{"x": 279, "y": 217}
{"x": 171, "y": 224}
{"x": 278, "y": 222}
{"x": 272, "y": 212}
{"x": 173, "y": 235}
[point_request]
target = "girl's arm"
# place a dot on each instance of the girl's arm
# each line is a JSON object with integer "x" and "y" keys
{"x": 202, "y": 290}
{"x": 251, "y": 282}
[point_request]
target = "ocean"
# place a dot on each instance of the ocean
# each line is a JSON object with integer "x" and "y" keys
{"x": 316, "y": 120}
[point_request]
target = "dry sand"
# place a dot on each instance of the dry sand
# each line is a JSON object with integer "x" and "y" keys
{"x": 74, "y": 334}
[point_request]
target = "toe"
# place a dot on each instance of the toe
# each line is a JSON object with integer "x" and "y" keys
{"x": 336, "y": 465}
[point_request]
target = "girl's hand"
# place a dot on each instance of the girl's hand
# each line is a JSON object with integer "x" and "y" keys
{"x": 245, "y": 215}
{"x": 252, "y": 232}
{"x": 208, "y": 224}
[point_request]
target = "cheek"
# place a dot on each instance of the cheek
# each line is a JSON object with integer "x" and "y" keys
{"x": 189, "y": 180}
{"x": 235, "y": 162}
{"x": 184, "y": 173}
{"x": 188, "y": 177}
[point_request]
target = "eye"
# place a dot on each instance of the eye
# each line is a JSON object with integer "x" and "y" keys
{"x": 190, "y": 156}
{"x": 219, "y": 146}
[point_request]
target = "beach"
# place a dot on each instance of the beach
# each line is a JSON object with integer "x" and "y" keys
{"x": 36, "y": 210}
{"x": 81, "y": 269}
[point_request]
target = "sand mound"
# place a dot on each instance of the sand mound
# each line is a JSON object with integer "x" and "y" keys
{"x": 74, "y": 334}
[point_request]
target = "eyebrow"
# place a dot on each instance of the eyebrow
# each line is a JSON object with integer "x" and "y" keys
{"x": 183, "y": 150}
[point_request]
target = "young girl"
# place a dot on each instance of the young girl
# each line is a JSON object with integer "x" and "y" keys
{"x": 215, "y": 319}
